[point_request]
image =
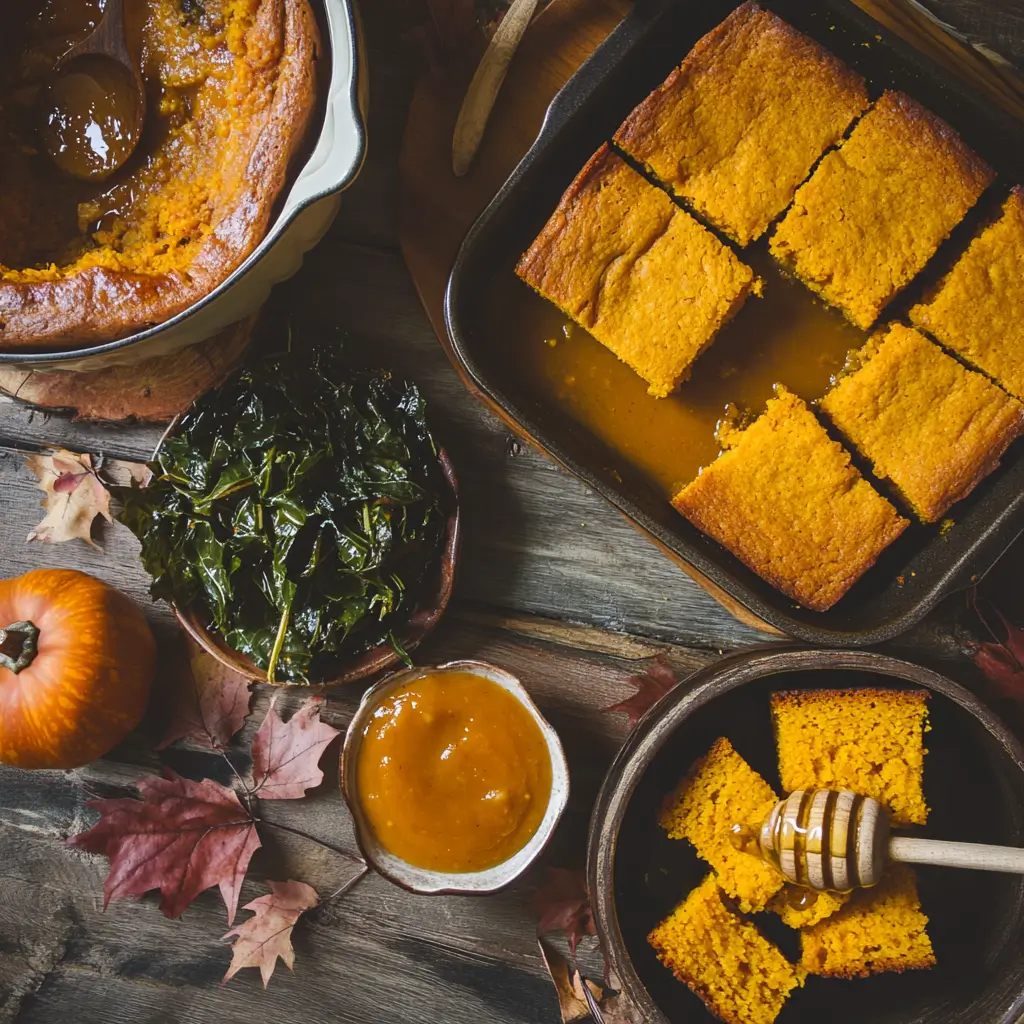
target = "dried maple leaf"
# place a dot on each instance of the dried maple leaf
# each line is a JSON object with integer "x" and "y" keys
{"x": 203, "y": 700}
{"x": 651, "y": 685}
{"x": 267, "y": 935}
{"x": 285, "y": 755}
{"x": 182, "y": 838}
{"x": 562, "y": 903}
{"x": 75, "y": 496}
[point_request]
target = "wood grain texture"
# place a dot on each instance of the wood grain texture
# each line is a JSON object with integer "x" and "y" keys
{"x": 553, "y": 585}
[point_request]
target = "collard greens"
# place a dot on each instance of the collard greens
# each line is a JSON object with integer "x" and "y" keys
{"x": 301, "y": 507}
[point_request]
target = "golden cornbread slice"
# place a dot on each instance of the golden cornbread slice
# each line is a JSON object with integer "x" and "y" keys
{"x": 738, "y": 126}
{"x": 928, "y": 424}
{"x": 640, "y": 274}
{"x": 721, "y": 790}
{"x": 978, "y": 308}
{"x": 740, "y": 975}
{"x": 787, "y": 502}
{"x": 800, "y": 907}
{"x": 876, "y": 209}
{"x": 867, "y": 740}
{"x": 880, "y": 929}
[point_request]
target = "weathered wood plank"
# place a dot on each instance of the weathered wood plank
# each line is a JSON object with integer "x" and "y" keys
{"x": 536, "y": 539}
{"x": 442, "y": 958}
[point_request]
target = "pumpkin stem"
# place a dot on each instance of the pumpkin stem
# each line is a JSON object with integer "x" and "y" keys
{"x": 19, "y": 643}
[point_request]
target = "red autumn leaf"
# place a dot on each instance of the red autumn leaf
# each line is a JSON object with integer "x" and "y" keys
{"x": 651, "y": 685}
{"x": 1003, "y": 663}
{"x": 562, "y": 903}
{"x": 203, "y": 700}
{"x": 285, "y": 755}
{"x": 267, "y": 935}
{"x": 182, "y": 838}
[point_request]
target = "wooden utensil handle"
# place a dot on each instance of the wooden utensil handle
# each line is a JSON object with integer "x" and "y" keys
{"x": 483, "y": 90}
{"x": 976, "y": 856}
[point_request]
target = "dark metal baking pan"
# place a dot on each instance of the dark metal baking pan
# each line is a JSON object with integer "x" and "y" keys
{"x": 928, "y": 563}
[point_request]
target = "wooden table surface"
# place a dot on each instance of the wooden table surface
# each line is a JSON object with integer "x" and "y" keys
{"x": 552, "y": 585}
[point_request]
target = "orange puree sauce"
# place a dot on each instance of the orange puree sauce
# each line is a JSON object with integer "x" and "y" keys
{"x": 453, "y": 773}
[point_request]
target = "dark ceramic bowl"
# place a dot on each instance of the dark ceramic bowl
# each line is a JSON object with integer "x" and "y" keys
{"x": 974, "y": 784}
{"x": 423, "y": 618}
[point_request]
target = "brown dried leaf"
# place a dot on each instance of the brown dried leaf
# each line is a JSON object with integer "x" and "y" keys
{"x": 561, "y": 903}
{"x": 267, "y": 935}
{"x": 285, "y": 755}
{"x": 567, "y": 984}
{"x": 202, "y": 699}
{"x": 182, "y": 838}
{"x": 651, "y": 684}
{"x": 75, "y": 496}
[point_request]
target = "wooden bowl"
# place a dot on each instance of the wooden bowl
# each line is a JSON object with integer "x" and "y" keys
{"x": 421, "y": 880}
{"x": 637, "y": 875}
{"x": 423, "y": 618}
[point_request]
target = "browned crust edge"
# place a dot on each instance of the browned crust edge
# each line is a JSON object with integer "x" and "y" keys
{"x": 643, "y": 120}
{"x": 532, "y": 263}
{"x": 974, "y": 172}
{"x": 99, "y": 305}
{"x": 797, "y": 698}
{"x": 879, "y": 966}
{"x": 830, "y": 595}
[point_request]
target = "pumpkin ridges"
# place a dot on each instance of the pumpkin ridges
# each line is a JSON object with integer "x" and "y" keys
{"x": 90, "y": 681}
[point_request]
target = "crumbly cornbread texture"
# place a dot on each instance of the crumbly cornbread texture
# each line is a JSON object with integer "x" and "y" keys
{"x": 739, "y": 125}
{"x": 787, "y": 502}
{"x": 800, "y": 907}
{"x": 876, "y": 209}
{"x": 867, "y": 740}
{"x": 928, "y": 424}
{"x": 880, "y": 929}
{"x": 740, "y": 975}
{"x": 645, "y": 278}
{"x": 721, "y": 790}
{"x": 978, "y": 309}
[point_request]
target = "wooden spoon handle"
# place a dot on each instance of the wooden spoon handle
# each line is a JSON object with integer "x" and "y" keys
{"x": 483, "y": 90}
{"x": 976, "y": 856}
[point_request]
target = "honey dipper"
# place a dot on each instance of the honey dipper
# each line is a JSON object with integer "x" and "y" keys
{"x": 838, "y": 841}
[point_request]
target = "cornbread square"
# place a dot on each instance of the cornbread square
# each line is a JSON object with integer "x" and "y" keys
{"x": 640, "y": 274}
{"x": 877, "y": 208}
{"x": 867, "y": 740}
{"x": 721, "y": 790}
{"x": 740, "y": 975}
{"x": 928, "y": 424}
{"x": 800, "y": 907}
{"x": 978, "y": 309}
{"x": 787, "y": 502}
{"x": 738, "y": 126}
{"x": 880, "y": 929}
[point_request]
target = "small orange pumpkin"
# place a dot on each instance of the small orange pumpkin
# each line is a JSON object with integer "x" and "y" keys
{"x": 76, "y": 664}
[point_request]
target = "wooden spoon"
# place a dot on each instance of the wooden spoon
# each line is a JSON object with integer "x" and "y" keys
{"x": 483, "y": 90}
{"x": 95, "y": 106}
{"x": 840, "y": 840}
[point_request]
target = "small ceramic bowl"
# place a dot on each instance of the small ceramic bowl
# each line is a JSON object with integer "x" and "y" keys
{"x": 420, "y": 880}
{"x": 973, "y": 784}
{"x": 424, "y": 617}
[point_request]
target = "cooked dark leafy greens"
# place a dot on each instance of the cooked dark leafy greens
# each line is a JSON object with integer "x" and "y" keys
{"x": 300, "y": 508}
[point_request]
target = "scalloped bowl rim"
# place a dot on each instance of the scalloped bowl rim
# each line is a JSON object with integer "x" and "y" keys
{"x": 422, "y": 880}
